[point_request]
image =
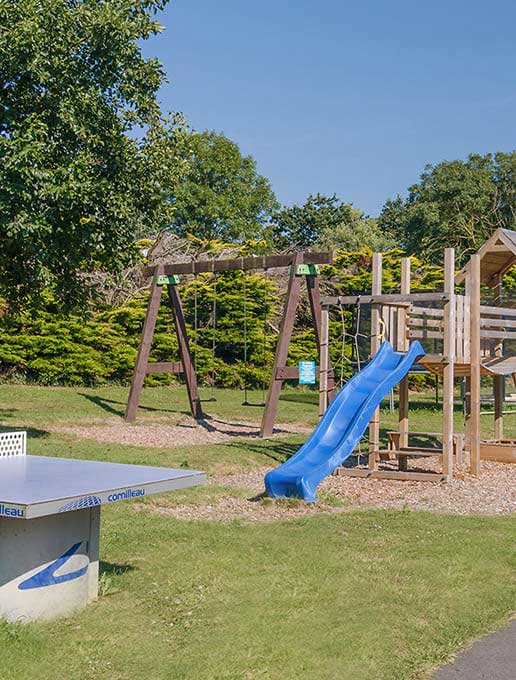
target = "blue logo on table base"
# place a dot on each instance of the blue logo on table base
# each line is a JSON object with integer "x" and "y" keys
{"x": 47, "y": 577}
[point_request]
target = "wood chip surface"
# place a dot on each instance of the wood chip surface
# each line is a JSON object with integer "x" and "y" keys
{"x": 493, "y": 493}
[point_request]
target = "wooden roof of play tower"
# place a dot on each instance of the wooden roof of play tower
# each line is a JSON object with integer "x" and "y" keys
{"x": 497, "y": 256}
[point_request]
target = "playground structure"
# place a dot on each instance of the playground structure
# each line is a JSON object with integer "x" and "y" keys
{"x": 470, "y": 342}
{"x": 449, "y": 333}
{"x": 301, "y": 265}
{"x": 473, "y": 339}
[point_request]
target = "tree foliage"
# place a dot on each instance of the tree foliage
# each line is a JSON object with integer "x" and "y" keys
{"x": 84, "y": 150}
{"x": 326, "y": 222}
{"x": 455, "y": 204}
{"x": 221, "y": 195}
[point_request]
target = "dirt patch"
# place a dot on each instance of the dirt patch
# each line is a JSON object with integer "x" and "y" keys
{"x": 491, "y": 494}
{"x": 185, "y": 432}
{"x": 229, "y": 508}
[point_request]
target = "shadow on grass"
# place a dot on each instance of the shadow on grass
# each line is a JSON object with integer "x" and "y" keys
{"x": 32, "y": 432}
{"x": 112, "y": 569}
{"x": 117, "y": 408}
{"x": 276, "y": 451}
{"x": 6, "y": 412}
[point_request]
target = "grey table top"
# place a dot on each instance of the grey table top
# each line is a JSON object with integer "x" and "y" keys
{"x": 34, "y": 486}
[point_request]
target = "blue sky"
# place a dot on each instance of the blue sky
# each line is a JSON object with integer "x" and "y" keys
{"x": 352, "y": 98}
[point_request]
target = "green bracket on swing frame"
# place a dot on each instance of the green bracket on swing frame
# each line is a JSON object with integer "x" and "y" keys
{"x": 163, "y": 280}
{"x": 305, "y": 269}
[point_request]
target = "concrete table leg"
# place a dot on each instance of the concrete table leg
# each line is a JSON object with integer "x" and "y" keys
{"x": 49, "y": 565}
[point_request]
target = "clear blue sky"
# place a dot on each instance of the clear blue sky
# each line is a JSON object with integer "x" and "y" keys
{"x": 346, "y": 97}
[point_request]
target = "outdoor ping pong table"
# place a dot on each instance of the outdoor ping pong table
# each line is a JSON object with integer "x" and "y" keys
{"x": 50, "y": 524}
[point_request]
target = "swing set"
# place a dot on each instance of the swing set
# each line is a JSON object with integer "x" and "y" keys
{"x": 300, "y": 265}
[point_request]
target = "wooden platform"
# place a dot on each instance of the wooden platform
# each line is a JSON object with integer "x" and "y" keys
{"x": 494, "y": 366}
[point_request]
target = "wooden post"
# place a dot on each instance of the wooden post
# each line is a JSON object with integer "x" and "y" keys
{"x": 467, "y": 356}
{"x": 474, "y": 428}
{"x": 314, "y": 297}
{"x": 140, "y": 369}
{"x": 324, "y": 362}
{"x": 449, "y": 368}
{"x": 184, "y": 353}
{"x": 498, "y": 379}
{"x": 374, "y": 425}
{"x": 403, "y": 345}
{"x": 280, "y": 359}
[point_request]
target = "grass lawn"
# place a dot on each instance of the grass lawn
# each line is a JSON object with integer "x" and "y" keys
{"x": 359, "y": 595}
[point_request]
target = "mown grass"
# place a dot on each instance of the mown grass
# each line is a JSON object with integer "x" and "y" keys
{"x": 360, "y": 595}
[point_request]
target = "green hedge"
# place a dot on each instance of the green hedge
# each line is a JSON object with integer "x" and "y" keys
{"x": 48, "y": 347}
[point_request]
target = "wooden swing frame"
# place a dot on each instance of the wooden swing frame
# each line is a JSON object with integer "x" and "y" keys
{"x": 301, "y": 265}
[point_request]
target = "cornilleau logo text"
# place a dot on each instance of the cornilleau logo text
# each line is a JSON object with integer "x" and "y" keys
{"x": 124, "y": 495}
{"x": 10, "y": 512}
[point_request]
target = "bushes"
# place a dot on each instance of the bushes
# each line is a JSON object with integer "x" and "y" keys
{"x": 49, "y": 347}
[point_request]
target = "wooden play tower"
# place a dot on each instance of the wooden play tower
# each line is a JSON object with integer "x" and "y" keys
{"x": 462, "y": 336}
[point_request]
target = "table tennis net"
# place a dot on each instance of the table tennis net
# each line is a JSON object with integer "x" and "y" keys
{"x": 13, "y": 444}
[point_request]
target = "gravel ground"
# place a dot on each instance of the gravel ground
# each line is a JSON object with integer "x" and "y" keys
{"x": 165, "y": 435}
{"x": 494, "y": 493}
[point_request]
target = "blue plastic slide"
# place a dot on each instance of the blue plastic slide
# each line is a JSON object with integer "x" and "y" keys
{"x": 340, "y": 429}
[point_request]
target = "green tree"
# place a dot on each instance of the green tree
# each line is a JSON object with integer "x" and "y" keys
{"x": 221, "y": 195}
{"x": 327, "y": 222}
{"x": 357, "y": 232}
{"x": 84, "y": 149}
{"x": 455, "y": 204}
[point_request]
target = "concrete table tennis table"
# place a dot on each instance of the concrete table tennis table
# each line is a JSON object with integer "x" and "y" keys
{"x": 50, "y": 524}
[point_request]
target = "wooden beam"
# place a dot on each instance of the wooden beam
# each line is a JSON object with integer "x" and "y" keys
{"x": 392, "y": 474}
{"x": 427, "y": 311}
{"x": 314, "y": 298}
{"x": 497, "y": 335}
{"x": 425, "y": 323}
{"x": 491, "y": 322}
{"x": 498, "y": 380}
{"x": 422, "y": 452}
{"x": 425, "y": 334}
{"x": 501, "y": 452}
{"x": 376, "y": 290}
{"x": 497, "y": 311}
{"x": 280, "y": 359}
{"x": 324, "y": 360}
{"x": 448, "y": 369}
{"x": 239, "y": 263}
{"x": 142, "y": 358}
{"x": 403, "y": 345}
{"x": 384, "y": 299}
{"x": 475, "y": 360}
{"x": 292, "y": 372}
{"x": 164, "y": 367}
{"x": 184, "y": 353}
